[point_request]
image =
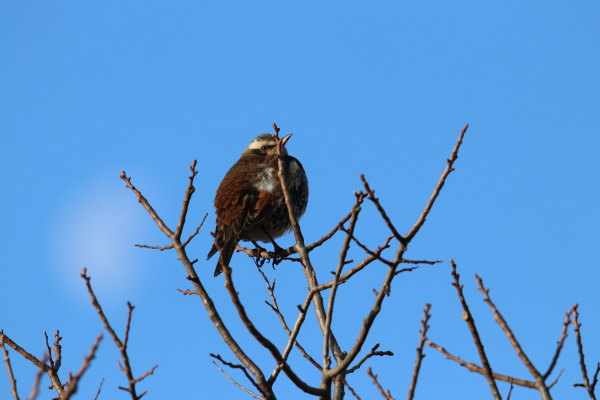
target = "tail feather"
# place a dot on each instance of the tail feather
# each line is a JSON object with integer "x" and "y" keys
{"x": 224, "y": 258}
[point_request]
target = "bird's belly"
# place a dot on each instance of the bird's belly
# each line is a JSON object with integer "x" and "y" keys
{"x": 259, "y": 234}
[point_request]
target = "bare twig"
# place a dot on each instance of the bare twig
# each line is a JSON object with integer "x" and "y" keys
{"x": 234, "y": 366}
{"x": 236, "y": 383}
{"x": 372, "y": 353}
{"x": 99, "y": 389}
{"x": 449, "y": 168}
{"x": 343, "y": 253}
{"x": 367, "y": 250}
{"x": 74, "y": 380}
{"x": 35, "y": 388}
{"x": 420, "y": 355}
{"x": 260, "y": 338}
{"x": 475, "y": 368}
{"x": 356, "y": 396}
{"x": 121, "y": 345}
{"x": 302, "y": 250}
{"x": 468, "y": 317}
{"x": 52, "y": 374}
{"x": 589, "y": 387}
{"x": 386, "y": 394}
{"x": 375, "y": 201}
{"x": 11, "y": 376}
{"x": 560, "y": 343}
{"x": 161, "y": 248}
{"x": 539, "y": 379}
{"x": 193, "y": 235}
{"x": 275, "y": 307}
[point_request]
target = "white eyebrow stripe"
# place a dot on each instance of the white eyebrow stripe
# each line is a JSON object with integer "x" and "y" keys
{"x": 255, "y": 144}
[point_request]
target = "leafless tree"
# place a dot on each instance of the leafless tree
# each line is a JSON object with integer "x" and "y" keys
{"x": 335, "y": 363}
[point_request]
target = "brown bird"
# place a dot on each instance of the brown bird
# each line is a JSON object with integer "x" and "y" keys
{"x": 249, "y": 202}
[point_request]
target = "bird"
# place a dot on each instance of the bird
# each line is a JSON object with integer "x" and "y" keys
{"x": 249, "y": 202}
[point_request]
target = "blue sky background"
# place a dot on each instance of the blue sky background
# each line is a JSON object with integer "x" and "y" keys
{"x": 383, "y": 88}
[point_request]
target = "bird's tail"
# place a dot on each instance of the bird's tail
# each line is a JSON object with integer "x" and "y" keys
{"x": 224, "y": 258}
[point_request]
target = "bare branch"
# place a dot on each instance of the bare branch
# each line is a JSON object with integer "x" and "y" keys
{"x": 436, "y": 191}
{"x": 186, "y": 200}
{"x": 560, "y": 343}
{"x": 235, "y": 366}
{"x": 420, "y": 355}
{"x": 275, "y": 307}
{"x": 35, "y": 388}
{"x": 468, "y": 317}
{"x": 356, "y": 396}
{"x": 475, "y": 368}
{"x": 99, "y": 389}
{"x": 539, "y": 379}
{"x": 161, "y": 248}
{"x": 589, "y": 387}
{"x": 74, "y": 380}
{"x": 52, "y": 374}
{"x": 367, "y": 250}
{"x": 193, "y": 235}
{"x": 370, "y": 354}
{"x": 236, "y": 383}
{"x": 330, "y": 304}
{"x": 260, "y": 338}
{"x": 386, "y": 394}
{"x": 11, "y": 376}
{"x": 302, "y": 250}
{"x": 121, "y": 345}
{"x": 379, "y": 207}
{"x": 405, "y": 261}
{"x": 142, "y": 200}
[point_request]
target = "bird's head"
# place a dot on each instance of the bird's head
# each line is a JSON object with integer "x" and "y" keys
{"x": 265, "y": 145}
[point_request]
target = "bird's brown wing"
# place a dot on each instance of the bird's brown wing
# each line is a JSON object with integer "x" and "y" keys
{"x": 240, "y": 208}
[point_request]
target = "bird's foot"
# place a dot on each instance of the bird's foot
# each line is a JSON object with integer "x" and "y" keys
{"x": 278, "y": 254}
{"x": 258, "y": 259}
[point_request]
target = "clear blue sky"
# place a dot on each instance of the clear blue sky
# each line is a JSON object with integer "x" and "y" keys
{"x": 88, "y": 89}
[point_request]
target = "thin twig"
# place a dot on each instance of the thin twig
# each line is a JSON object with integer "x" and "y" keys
{"x": 589, "y": 387}
{"x": 121, "y": 345}
{"x": 560, "y": 343}
{"x": 260, "y": 338}
{"x": 35, "y": 388}
{"x": 236, "y": 383}
{"x": 420, "y": 355}
{"x": 468, "y": 317}
{"x": 275, "y": 307}
{"x": 356, "y": 396}
{"x": 475, "y": 368}
{"x": 342, "y": 260}
{"x": 234, "y": 366}
{"x": 161, "y": 248}
{"x": 302, "y": 250}
{"x": 375, "y": 201}
{"x": 99, "y": 389}
{"x": 372, "y": 353}
{"x": 58, "y": 386}
{"x": 74, "y": 380}
{"x": 11, "y": 376}
{"x": 449, "y": 168}
{"x": 387, "y": 395}
{"x": 535, "y": 374}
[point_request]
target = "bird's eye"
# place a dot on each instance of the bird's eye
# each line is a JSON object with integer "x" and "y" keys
{"x": 264, "y": 148}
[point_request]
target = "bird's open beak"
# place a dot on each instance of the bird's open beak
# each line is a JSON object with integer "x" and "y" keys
{"x": 285, "y": 139}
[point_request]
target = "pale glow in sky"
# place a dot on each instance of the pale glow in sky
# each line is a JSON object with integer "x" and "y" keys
{"x": 93, "y": 228}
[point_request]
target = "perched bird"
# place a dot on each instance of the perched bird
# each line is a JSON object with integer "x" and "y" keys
{"x": 249, "y": 203}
